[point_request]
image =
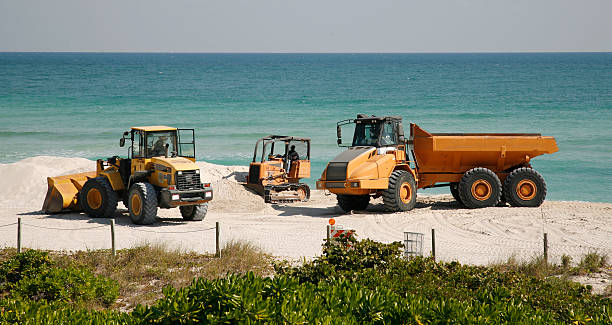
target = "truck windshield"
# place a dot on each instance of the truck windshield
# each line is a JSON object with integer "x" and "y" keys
{"x": 366, "y": 134}
{"x": 157, "y": 141}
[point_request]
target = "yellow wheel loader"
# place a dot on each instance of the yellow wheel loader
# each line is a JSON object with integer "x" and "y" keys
{"x": 481, "y": 169}
{"x": 276, "y": 170}
{"x": 160, "y": 171}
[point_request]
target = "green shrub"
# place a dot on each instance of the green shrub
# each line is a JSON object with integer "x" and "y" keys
{"x": 24, "y": 265}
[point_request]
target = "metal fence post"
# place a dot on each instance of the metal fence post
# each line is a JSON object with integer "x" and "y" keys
{"x": 18, "y": 235}
{"x": 546, "y": 249}
{"x": 112, "y": 224}
{"x": 218, "y": 250}
{"x": 433, "y": 244}
{"x": 328, "y": 233}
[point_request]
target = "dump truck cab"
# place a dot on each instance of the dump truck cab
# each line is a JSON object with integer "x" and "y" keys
{"x": 279, "y": 162}
{"x": 375, "y": 152}
{"x": 160, "y": 171}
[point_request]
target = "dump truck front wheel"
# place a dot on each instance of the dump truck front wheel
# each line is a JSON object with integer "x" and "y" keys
{"x": 194, "y": 212}
{"x": 142, "y": 203}
{"x": 525, "y": 187}
{"x": 97, "y": 198}
{"x": 454, "y": 189}
{"x": 479, "y": 188}
{"x": 401, "y": 193}
{"x": 349, "y": 203}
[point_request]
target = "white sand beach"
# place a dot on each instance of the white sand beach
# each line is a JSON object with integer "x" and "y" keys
{"x": 293, "y": 231}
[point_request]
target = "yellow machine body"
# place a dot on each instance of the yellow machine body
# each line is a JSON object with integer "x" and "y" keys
{"x": 63, "y": 191}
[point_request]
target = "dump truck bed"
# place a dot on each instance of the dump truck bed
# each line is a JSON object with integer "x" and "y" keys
{"x": 455, "y": 153}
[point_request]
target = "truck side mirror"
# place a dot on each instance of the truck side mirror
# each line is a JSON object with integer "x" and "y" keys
{"x": 122, "y": 142}
{"x": 339, "y": 141}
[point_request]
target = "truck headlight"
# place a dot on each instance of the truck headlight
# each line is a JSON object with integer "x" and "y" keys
{"x": 175, "y": 197}
{"x": 354, "y": 184}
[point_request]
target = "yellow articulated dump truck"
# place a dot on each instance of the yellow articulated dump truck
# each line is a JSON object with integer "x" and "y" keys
{"x": 160, "y": 171}
{"x": 481, "y": 169}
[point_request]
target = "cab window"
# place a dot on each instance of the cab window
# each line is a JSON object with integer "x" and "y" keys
{"x": 387, "y": 136}
{"x": 157, "y": 142}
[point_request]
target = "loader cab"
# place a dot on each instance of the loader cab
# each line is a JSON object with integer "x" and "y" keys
{"x": 372, "y": 131}
{"x": 160, "y": 141}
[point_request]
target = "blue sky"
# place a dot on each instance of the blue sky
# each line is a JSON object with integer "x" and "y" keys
{"x": 306, "y": 26}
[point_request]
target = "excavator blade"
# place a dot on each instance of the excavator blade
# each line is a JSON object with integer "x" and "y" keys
{"x": 63, "y": 191}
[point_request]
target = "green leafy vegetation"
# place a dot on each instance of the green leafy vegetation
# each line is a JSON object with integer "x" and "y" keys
{"x": 368, "y": 283}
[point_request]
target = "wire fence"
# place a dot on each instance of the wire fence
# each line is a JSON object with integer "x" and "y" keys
{"x": 111, "y": 225}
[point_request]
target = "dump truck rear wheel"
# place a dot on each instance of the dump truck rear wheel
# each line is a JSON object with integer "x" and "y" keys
{"x": 525, "y": 187}
{"x": 142, "y": 203}
{"x": 454, "y": 189}
{"x": 349, "y": 203}
{"x": 97, "y": 198}
{"x": 194, "y": 212}
{"x": 479, "y": 188}
{"x": 401, "y": 193}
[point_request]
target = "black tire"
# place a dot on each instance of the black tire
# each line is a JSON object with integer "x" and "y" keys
{"x": 479, "y": 188}
{"x": 194, "y": 212}
{"x": 97, "y": 198}
{"x": 142, "y": 203}
{"x": 401, "y": 193}
{"x": 306, "y": 192}
{"x": 524, "y": 187}
{"x": 349, "y": 203}
{"x": 454, "y": 189}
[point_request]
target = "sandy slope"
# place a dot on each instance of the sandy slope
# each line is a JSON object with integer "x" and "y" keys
{"x": 297, "y": 230}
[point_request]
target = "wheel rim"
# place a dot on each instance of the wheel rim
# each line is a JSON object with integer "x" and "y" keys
{"x": 136, "y": 204}
{"x": 405, "y": 192}
{"x": 526, "y": 189}
{"x": 301, "y": 192}
{"x": 94, "y": 198}
{"x": 481, "y": 190}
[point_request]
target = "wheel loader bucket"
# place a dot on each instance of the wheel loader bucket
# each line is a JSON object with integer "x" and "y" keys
{"x": 63, "y": 191}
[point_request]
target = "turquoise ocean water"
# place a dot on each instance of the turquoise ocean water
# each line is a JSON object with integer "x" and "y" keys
{"x": 77, "y": 105}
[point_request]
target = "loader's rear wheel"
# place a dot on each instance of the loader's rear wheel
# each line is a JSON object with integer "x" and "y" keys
{"x": 142, "y": 203}
{"x": 525, "y": 187}
{"x": 479, "y": 188}
{"x": 97, "y": 198}
{"x": 401, "y": 193}
{"x": 194, "y": 212}
{"x": 349, "y": 203}
{"x": 303, "y": 193}
{"x": 454, "y": 189}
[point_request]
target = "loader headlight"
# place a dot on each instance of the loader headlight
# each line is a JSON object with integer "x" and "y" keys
{"x": 180, "y": 172}
{"x": 354, "y": 184}
{"x": 197, "y": 171}
{"x": 208, "y": 194}
{"x": 175, "y": 197}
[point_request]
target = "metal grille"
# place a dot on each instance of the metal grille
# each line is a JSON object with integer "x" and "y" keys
{"x": 188, "y": 180}
{"x": 336, "y": 171}
{"x": 413, "y": 244}
{"x": 254, "y": 174}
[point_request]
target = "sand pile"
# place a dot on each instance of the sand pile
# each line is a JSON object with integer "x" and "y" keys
{"x": 27, "y": 183}
{"x": 229, "y": 194}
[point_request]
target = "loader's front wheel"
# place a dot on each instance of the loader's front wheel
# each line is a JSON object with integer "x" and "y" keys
{"x": 525, "y": 187}
{"x": 97, "y": 198}
{"x": 142, "y": 203}
{"x": 479, "y": 188}
{"x": 349, "y": 203}
{"x": 194, "y": 212}
{"x": 401, "y": 193}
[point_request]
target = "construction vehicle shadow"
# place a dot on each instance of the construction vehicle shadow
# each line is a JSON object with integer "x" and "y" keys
{"x": 238, "y": 176}
{"x": 122, "y": 218}
{"x": 288, "y": 210}
{"x": 448, "y": 205}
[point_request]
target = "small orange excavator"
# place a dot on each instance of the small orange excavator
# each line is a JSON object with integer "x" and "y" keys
{"x": 277, "y": 168}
